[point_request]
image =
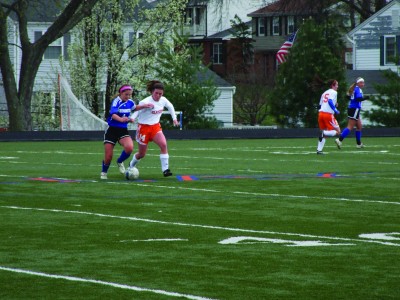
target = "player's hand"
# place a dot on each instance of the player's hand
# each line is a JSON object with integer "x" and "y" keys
{"x": 176, "y": 123}
{"x": 337, "y": 112}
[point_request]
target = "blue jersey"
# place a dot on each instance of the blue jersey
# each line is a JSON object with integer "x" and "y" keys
{"x": 122, "y": 109}
{"x": 355, "y": 98}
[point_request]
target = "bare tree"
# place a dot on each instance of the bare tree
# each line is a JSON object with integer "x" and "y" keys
{"x": 19, "y": 95}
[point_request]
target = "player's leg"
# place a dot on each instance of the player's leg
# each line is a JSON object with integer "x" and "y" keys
{"x": 108, "y": 154}
{"x": 160, "y": 140}
{"x": 127, "y": 143}
{"x": 358, "y": 133}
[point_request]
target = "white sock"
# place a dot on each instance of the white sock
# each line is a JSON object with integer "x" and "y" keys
{"x": 134, "y": 161}
{"x": 164, "y": 158}
{"x": 321, "y": 144}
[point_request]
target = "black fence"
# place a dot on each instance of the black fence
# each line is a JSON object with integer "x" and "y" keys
{"x": 6, "y": 136}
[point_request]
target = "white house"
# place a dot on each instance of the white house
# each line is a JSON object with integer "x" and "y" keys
{"x": 376, "y": 41}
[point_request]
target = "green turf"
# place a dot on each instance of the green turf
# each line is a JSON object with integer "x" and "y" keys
{"x": 67, "y": 235}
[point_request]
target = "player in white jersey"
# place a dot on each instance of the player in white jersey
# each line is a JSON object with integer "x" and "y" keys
{"x": 326, "y": 116}
{"x": 149, "y": 128}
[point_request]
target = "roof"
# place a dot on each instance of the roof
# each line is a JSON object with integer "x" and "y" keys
{"x": 371, "y": 78}
{"x": 284, "y": 8}
{"x": 218, "y": 81}
{"x": 361, "y": 25}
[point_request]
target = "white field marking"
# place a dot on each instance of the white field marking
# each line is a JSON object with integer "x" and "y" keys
{"x": 112, "y": 284}
{"x": 392, "y": 236}
{"x": 155, "y": 240}
{"x": 8, "y": 157}
{"x": 243, "y": 193}
{"x": 263, "y": 194}
{"x": 288, "y": 243}
{"x": 200, "y": 226}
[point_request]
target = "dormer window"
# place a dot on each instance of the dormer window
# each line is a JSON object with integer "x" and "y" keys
{"x": 261, "y": 26}
{"x": 275, "y": 26}
{"x": 290, "y": 24}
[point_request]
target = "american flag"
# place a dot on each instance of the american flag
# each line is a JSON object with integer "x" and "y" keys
{"x": 284, "y": 50}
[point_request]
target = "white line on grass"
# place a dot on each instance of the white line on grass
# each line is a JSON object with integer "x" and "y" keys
{"x": 267, "y": 195}
{"x": 155, "y": 240}
{"x": 112, "y": 284}
{"x": 200, "y": 226}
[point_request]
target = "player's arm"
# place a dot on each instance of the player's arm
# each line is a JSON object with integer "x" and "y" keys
{"x": 359, "y": 97}
{"x": 330, "y": 102}
{"x": 171, "y": 111}
{"x": 142, "y": 106}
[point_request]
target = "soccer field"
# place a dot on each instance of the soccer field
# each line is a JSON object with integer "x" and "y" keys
{"x": 239, "y": 219}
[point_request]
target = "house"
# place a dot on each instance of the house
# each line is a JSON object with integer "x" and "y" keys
{"x": 47, "y": 76}
{"x": 376, "y": 41}
{"x": 271, "y": 26}
{"x": 208, "y": 24}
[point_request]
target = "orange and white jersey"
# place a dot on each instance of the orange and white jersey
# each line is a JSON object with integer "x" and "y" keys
{"x": 151, "y": 116}
{"x": 324, "y": 101}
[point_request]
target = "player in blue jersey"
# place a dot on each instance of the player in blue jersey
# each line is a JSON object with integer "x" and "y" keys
{"x": 353, "y": 112}
{"x": 117, "y": 131}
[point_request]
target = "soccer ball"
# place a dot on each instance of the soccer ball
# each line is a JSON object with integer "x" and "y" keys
{"x": 132, "y": 173}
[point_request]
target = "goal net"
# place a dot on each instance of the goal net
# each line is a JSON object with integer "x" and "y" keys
{"x": 74, "y": 115}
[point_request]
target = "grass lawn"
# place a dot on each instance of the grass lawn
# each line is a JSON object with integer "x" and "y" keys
{"x": 239, "y": 219}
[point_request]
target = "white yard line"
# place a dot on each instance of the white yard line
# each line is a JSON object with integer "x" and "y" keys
{"x": 112, "y": 284}
{"x": 201, "y": 226}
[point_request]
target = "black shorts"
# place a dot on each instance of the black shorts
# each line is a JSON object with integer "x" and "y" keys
{"x": 353, "y": 113}
{"x": 114, "y": 134}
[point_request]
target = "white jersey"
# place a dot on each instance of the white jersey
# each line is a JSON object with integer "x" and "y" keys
{"x": 151, "y": 116}
{"x": 323, "y": 102}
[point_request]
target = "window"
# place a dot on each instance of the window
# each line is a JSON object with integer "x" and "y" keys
{"x": 188, "y": 16}
{"x": 290, "y": 24}
{"x": 390, "y": 45}
{"x": 275, "y": 25}
{"x": 261, "y": 26}
{"x": 217, "y": 53}
{"x": 390, "y": 50}
{"x": 57, "y": 48}
{"x": 54, "y": 50}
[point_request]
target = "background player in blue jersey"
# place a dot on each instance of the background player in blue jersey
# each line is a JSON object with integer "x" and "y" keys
{"x": 117, "y": 131}
{"x": 353, "y": 112}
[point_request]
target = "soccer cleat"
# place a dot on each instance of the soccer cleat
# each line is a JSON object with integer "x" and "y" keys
{"x": 121, "y": 168}
{"x": 103, "y": 175}
{"x": 360, "y": 146}
{"x": 167, "y": 173}
{"x": 338, "y": 143}
{"x": 320, "y": 152}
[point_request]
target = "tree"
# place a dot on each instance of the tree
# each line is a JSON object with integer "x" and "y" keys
{"x": 188, "y": 83}
{"x": 387, "y": 111}
{"x": 101, "y": 51}
{"x": 312, "y": 61}
{"x": 19, "y": 96}
{"x": 250, "y": 99}
{"x": 250, "y": 103}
